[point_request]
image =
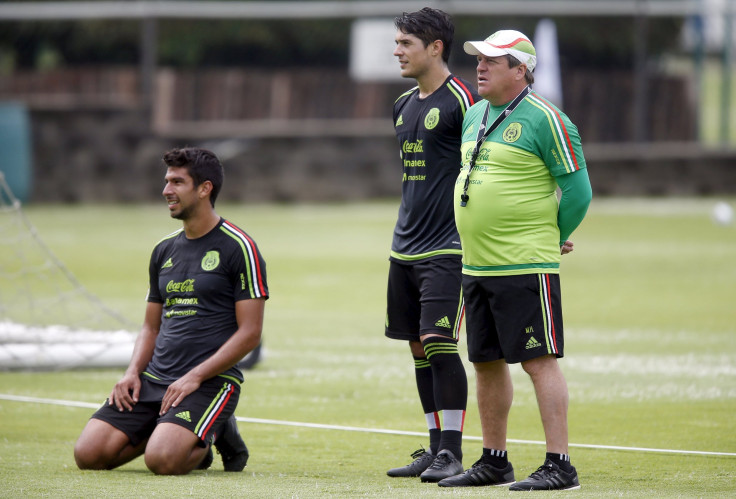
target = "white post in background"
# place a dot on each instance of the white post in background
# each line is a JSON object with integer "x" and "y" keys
{"x": 726, "y": 73}
{"x": 547, "y": 79}
{"x": 372, "y": 44}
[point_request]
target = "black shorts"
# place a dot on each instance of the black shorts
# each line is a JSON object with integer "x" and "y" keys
{"x": 515, "y": 318}
{"x": 201, "y": 412}
{"x": 423, "y": 298}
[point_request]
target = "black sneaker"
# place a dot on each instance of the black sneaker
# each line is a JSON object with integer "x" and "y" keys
{"x": 230, "y": 446}
{"x": 207, "y": 461}
{"x": 481, "y": 474}
{"x": 549, "y": 476}
{"x": 422, "y": 460}
{"x": 444, "y": 465}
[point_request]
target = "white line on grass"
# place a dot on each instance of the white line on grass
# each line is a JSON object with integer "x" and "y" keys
{"x": 470, "y": 437}
{"x": 68, "y": 403}
{"x": 71, "y": 403}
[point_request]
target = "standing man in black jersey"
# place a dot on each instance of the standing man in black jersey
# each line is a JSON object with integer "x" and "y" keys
{"x": 425, "y": 303}
{"x": 204, "y": 313}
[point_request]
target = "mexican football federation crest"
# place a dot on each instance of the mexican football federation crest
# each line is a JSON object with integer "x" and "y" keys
{"x": 211, "y": 260}
{"x": 512, "y": 132}
{"x": 432, "y": 118}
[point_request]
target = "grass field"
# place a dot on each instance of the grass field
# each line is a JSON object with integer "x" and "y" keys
{"x": 649, "y": 300}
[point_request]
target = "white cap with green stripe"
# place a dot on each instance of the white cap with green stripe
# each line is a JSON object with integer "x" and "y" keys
{"x": 506, "y": 41}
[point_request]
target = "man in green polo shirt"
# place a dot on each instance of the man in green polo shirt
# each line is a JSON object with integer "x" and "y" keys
{"x": 513, "y": 230}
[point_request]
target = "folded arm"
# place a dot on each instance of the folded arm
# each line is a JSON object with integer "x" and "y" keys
{"x": 249, "y": 315}
{"x": 574, "y": 202}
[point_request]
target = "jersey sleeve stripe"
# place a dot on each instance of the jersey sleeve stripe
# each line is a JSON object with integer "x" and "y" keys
{"x": 253, "y": 265}
{"x": 465, "y": 93}
{"x": 559, "y": 130}
{"x": 463, "y": 104}
{"x": 408, "y": 92}
{"x": 462, "y": 94}
{"x": 170, "y": 236}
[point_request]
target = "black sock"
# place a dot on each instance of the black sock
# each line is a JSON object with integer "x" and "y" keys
{"x": 450, "y": 389}
{"x": 434, "y": 440}
{"x": 448, "y": 373}
{"x": 494, "y": 457}
{"x": 452, "y": 440}
{"x": 561, "y": 460}
{"x": 425, "y": 387}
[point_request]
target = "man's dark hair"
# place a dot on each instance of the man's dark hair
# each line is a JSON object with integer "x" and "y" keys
{"x": 513, "y": 62}
{"x": 428, "y": 25}
{"x": 201, "y": 164}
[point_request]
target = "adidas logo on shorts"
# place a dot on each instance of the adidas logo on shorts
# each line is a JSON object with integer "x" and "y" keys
{"x": 444, "y": 322}
{"x": 184, "y": 415}
{"x": 532, "y": 343}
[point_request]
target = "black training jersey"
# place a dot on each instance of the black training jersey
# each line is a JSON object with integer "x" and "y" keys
{"x": 198, "y": 282}
{"x": 428, "y": 131}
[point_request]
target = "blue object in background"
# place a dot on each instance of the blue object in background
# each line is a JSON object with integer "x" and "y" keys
{"x": 15, "y": 148}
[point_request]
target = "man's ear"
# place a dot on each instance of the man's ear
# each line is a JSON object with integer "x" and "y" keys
{"x": 205, "y": 188}
{"x": 521, "y": 71}
{"x": 437, "y": 46}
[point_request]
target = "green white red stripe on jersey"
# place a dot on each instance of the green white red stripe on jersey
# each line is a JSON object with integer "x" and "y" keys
{"x": 559, "y": 132}
{"x": 252, "y": 261}
{"x": 463, "y": 94}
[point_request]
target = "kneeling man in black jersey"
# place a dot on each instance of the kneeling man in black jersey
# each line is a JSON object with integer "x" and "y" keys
{"x": 204, "y": 313}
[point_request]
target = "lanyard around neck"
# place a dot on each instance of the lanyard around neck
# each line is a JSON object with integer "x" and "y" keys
{"x": 483, "y": 135}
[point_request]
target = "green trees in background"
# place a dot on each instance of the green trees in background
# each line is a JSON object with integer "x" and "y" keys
{"x": 590, "y": 42}
{"x": 181, "y": 43}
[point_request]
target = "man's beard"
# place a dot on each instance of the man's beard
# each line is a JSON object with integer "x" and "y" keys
{"x": 184, "y": 214}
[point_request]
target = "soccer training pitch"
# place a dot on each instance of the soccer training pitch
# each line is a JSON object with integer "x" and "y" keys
{"x": 649, "y": 298}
